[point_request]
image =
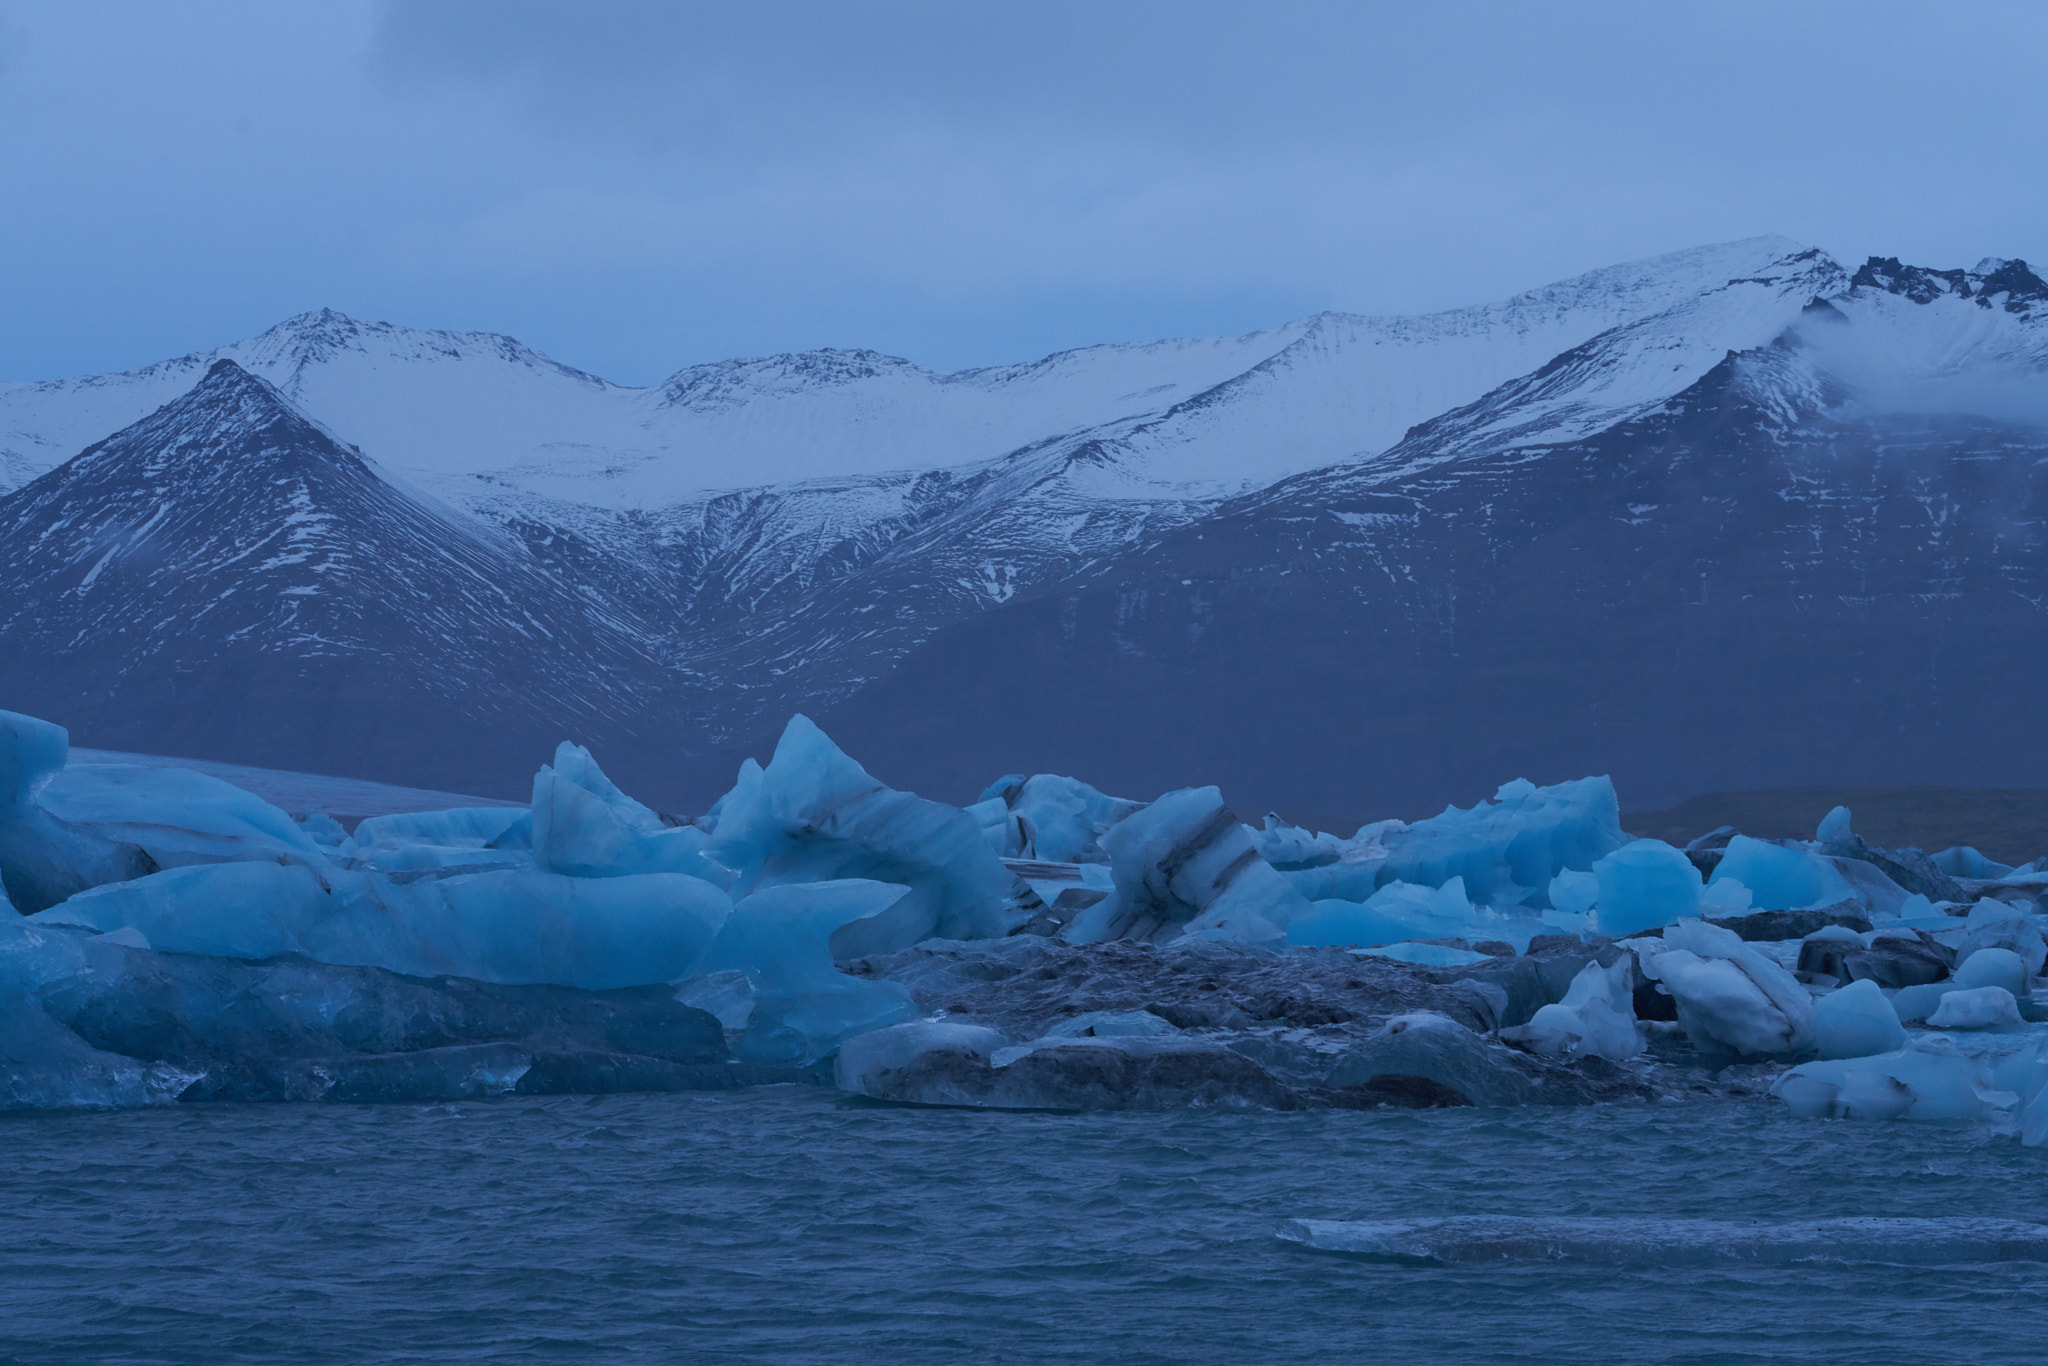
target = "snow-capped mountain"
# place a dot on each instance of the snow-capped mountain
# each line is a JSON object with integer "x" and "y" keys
{"x": 1824, "y": 558}
{"x": 227, "y": 576}
{"x": 850, "y": 533}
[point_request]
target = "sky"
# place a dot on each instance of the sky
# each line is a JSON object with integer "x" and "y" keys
{"x": 636, "y": 187}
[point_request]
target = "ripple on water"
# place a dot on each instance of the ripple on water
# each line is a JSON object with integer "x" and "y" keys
{"x": 798, "y": 1225}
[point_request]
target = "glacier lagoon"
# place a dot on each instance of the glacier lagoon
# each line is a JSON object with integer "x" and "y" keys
{"x": 790, "y": 1223}
{"x": 833, "y": 1070}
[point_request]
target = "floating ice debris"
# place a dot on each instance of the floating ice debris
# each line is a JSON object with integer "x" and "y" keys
{"x": 1676, "y": 1242}
{"x": 812, "y": 908}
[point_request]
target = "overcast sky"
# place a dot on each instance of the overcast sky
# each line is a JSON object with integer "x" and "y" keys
{"x": 636, "y": 187}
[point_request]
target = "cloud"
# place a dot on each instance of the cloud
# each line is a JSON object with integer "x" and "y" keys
{"x": 637, "y": 186}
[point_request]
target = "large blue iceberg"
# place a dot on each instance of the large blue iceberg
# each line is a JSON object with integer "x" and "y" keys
{"x": 165, "y": 935}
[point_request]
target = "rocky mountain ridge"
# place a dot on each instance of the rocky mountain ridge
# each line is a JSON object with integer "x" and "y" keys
{"x": 1056, "y": 564}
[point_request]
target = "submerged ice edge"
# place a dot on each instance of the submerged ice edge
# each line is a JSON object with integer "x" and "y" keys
{"x": 1675, "y": 1242}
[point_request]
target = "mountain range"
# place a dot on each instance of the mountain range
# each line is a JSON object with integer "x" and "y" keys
{"x": 1731, "y": 517}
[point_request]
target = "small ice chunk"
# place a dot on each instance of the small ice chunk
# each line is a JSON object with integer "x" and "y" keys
{"x": 1107, "y": 1024}
{"x": 1424, "y": 955}
{"x": 1663, "y": 1241}
{"x": 1833, "y": 826}
{"x": 1856, "y": 1021}
{"x": 1964, "y": 861}
{"x": 1993, "y": 968}
{"x": 1993, "y": 924}
{"x": 1977, "y": 1008}
{"x": 866, "y": 1064}
{"x": 1597, "y": 1016}
{"x": 1929, "y": 1079}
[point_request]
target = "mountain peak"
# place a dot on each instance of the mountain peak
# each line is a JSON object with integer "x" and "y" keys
{"x": 1993, "y": 276}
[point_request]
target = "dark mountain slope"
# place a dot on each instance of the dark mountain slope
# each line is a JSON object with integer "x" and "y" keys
{"x": 226, "y": 579}
{"x": 1736, "y": 590}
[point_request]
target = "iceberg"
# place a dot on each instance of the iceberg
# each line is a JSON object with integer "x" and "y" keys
{"x": 100, "y": 1021}
{"x": 1995, "y": 925}
{"x": 1401, "y": 912}
{"x": 1782, "y": 879}
{"x": 1053, "y": 819}
{"x": 1644, "y": 885}
{"x": 583, "y": 826}
{"x": 1184, "y": 865}
{"x": 1977, "y": 1008}
{"x": 1856, "y": 1021}
{"x": 64, "y": 829}
{"x": 1731, "y": 998}
{"x": 814, "y": 815}
{"x": 1596, "y": 1018}
{"x": 1511, "y": 847}
{"x": 514, "y": 926}
{"x": 1929, "y": 1079}
{"x": 802, "y": 1006}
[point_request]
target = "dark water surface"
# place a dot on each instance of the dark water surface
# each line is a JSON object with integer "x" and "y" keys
{"x": 797, "y": 1225}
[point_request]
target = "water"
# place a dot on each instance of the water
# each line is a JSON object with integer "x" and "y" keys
{"x": 797, "y": 1225}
